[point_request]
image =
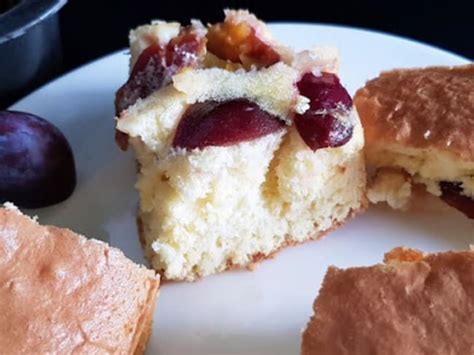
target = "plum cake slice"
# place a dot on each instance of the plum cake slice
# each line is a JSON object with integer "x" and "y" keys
{"x": 419, "y": 135}
{"x": 243, "y": 145}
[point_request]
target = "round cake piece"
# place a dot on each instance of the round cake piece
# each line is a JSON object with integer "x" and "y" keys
{"x": 419, "y": 130}
{"x": 244, "y": 146}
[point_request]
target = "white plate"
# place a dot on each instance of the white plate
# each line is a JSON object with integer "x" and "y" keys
{"x": 260, "y": 312}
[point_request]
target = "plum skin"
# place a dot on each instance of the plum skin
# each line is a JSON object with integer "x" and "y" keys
{"x": 213, "y": 123}
{"x": 320, "y": 127}
{"x": 37, "y": 166}
{"x": 451, "y": 193}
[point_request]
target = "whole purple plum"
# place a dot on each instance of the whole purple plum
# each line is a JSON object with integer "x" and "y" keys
{"x": 36, "y": 162}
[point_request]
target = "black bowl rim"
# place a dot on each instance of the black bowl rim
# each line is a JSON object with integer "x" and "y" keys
{"x": 16, "y": 21}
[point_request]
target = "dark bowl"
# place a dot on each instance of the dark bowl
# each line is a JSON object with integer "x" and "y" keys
{"x": 30, "y": 47}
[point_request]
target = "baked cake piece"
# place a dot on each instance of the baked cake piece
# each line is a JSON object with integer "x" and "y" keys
{"x": 61, "y": 293}
{"x": 419, "y": 130}
{"x": 243, "y": 145}
{"x": 415, "y": 303}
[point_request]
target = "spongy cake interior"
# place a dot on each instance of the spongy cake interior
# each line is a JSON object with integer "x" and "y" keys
{"x": 206, "y": 210}
{"x": 225, "y": 205}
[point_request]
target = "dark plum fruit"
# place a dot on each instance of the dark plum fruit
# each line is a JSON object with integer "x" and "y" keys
{"x": 155, "y": 68}
{"x": 215, "y": 123}
{"x": 36, "y": 162}
{"x": 325, "y": 91}
{"x": 320, "y": 126}
{"x": 451, "y": 193}
{"x": 148, "y": 74}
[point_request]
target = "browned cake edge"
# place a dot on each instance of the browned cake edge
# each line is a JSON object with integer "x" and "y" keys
{"x": 384, "y": 124}
{"x": 145, "y": 321}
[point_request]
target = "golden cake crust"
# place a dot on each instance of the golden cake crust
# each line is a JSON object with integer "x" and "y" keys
{"x": 421, "y": 108}
{"x": 62, "y": 293}
{"x": 413, "y": 304}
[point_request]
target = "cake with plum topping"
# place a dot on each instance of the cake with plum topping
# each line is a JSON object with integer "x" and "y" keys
{"x": 243, "y": 145}
{"x": 63, "y": 294}
{"x": 414, "y": 303}
{"x": 419, "y": 132}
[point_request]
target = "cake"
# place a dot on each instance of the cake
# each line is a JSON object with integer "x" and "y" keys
{"x": 61, "y": 293}
{"x": 419, "y": 132}
{"x": 415, "y": 303}
{"x": 243, "y": 145}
